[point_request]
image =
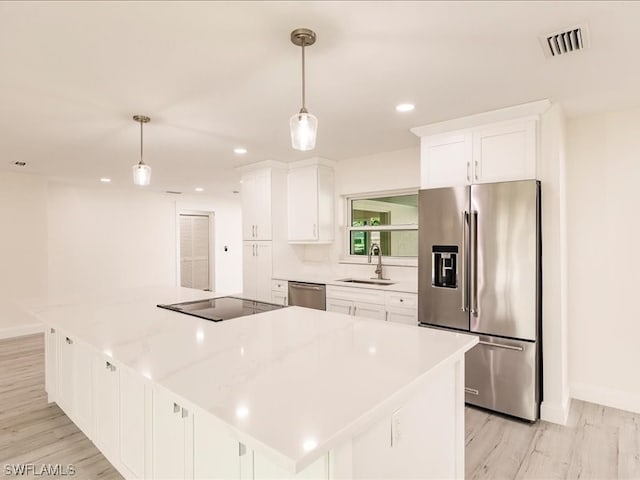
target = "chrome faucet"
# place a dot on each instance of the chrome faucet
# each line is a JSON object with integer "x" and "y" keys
{"x": 376, "y": 250}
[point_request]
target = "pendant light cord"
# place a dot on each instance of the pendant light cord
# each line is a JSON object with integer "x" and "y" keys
{"x": 141, "y": 143}
{"x": 304, "y": 107}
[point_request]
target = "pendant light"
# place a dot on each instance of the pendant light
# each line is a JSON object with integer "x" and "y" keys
{"x": 303, "y": 125}
{"x": 141, "y": 171}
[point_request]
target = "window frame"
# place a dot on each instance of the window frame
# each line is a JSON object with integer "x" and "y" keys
{"x": 348, "y": 228}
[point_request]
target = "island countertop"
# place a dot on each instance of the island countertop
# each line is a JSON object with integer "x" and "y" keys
{"x": 293, "y": 382}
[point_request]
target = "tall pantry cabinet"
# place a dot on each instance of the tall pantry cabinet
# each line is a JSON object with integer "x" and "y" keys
{"x": 264, "y": 192}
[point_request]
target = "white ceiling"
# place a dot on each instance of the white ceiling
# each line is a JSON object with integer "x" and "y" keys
{"x": 216, "y": 75}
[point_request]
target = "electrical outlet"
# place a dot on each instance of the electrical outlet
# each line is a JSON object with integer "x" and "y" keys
{"x": 395, "y": 428}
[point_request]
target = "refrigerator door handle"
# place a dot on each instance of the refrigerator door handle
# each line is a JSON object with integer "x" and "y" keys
{"x": 474, "y": 263}
{"x": 501, "y": 345}
{"x": 463, "y": 262}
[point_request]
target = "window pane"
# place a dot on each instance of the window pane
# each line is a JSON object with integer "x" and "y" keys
{"x": 397, "y": 243}
{"x": 396, "y": 210}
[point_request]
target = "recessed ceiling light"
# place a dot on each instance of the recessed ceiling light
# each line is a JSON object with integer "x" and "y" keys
{"x": 405, "y": 107}
{"x": 199, "y": 189}
{"x": 240, "y": 150}
{"x": 105, "y": 180}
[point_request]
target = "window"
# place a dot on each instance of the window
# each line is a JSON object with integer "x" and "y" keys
{"x": 391, "y": 221}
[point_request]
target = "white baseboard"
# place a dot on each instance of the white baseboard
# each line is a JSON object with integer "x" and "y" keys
{"x": 555, "y": 412}
{"x": 20, "y": 330}
{"x": 608, "y": 397}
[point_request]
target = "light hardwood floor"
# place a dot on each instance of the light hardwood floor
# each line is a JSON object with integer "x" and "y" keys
{"x": 598, "y": 443}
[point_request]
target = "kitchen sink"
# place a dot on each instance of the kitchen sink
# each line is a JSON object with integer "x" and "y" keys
{"x": 366, "y": 281}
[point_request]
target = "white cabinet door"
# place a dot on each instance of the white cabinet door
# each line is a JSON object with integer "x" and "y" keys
{"x": 74, "y": 382}
{"x": 216, "y": 455}
{"x": 303, "y": 203}
{"x": 257, "y": 269}
{"x": 83, "y": 398}
{"x": 249, "y": 283}
{"x": 51, "y": 363}
{"x": 445, "y": 160}
{"x": 339, "y": 306}
{"x": 133, "y": 445}
{"x": 263, "y": 271}
{"x": 66, "y": 378}
{"x": 505, "y": 152}
{"x": 106, "y": 407}
{"x": 172, "y": 447}
{"x": 369, "y": 310}
{"x": 262, "y": 206}
{"x": 403, "y": 315}
{"x": 256, "y": 205}
{"x": 310, "y": 204}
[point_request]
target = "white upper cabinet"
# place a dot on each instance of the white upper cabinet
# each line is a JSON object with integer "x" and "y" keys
{"x": 504, "y": 152}
{"x": 310, "y": 203}
{"x": 446, "y": 160}
{"x": 256, "y": 205}
{"x": 490, "y": 147}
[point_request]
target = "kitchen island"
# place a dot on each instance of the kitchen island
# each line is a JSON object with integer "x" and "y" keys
{"x": 291, "y": 393}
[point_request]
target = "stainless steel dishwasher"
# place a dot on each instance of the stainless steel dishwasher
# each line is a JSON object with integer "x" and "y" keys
{"x": 310, "y": 295}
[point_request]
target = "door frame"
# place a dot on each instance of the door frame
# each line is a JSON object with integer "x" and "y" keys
{"x": 181, "y": 210}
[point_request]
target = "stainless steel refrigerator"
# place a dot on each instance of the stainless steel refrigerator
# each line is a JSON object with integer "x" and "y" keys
{"x": 480, "y": 273}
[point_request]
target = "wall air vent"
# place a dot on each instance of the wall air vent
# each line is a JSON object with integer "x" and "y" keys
{"x": 565, "y": 41}
{"x": 173, "y": 192}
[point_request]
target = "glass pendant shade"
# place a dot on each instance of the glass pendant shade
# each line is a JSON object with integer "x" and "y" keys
{"x": 141, "y": 174}
{"x": 304, "y": 127}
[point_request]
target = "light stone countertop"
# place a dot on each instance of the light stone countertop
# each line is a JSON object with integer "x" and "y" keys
{"x": 293, "y": 382}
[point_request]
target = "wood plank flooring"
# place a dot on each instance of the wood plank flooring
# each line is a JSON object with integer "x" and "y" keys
{"x": 33, "y": 431}
{"x": 598, "y": 443}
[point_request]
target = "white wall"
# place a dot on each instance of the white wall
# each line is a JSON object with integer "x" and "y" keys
{"x": 103, "y": 238}
{"x": 603, "y": 258}
{"x": 23, "y": 249}
{"x": 385, "y": 171}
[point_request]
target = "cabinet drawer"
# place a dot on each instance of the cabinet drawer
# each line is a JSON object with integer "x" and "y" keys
{"x": 399, "y": 299}
{"x": 356, "y": 294}
{"x": 279, "y": 286}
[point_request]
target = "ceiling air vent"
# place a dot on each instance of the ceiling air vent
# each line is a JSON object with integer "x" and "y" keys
{"x": 568, "y": 40}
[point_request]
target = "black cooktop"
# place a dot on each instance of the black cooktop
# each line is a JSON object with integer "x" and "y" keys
{"x": 222, "y": 308}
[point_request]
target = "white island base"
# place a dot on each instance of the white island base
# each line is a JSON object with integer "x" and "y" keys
{"x": 154, "y": 413}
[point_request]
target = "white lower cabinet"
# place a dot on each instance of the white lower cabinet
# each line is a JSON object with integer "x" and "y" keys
{"x": 135, "y": 397}
{"x": 106, "y": 407}
{"x": 51, "y": 363}
{"x": 216, "y": 454}
{"x": 279, "y": 292}
{"x": 74, "y": 384}
{"x": 369, "y": 303}
{"x": 172, "y": 437}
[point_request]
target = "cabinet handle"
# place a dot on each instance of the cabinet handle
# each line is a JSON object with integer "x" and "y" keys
{"x": 253, "y": 231}
{"x": 176, "y": 407}
{"x": 349, "y": 310}
{"x": 386, "y": 316}
{"x": 468, "y": 177}
{"x": 110, "y": 366}
{"x": 69, "y": 341}
{"x": 475, "y": 169}
{"x": 185, "y": 413}
{"x": 472, "y": 391}
{"x": 256, "y": 231}
{"x": 257, "y": 254}
{"x": 242, "y": 449}
{"x": 354, "y": 309}
{"x": 401, "y": 300}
